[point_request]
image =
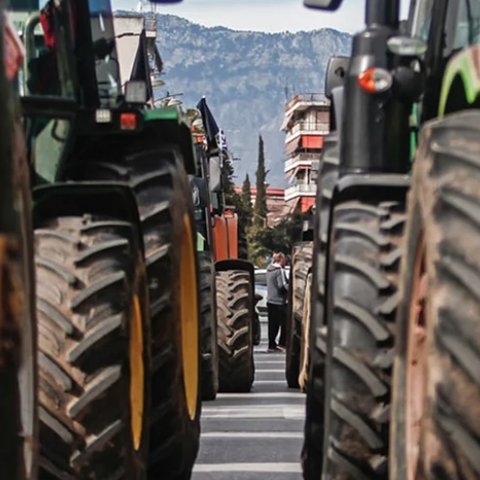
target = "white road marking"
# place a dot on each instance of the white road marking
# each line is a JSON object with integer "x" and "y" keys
{"x": 261, "y": 362}
{"x": 249, "y": 467}
{"x": 218, "y": 408}
{"x": 235, "y": 435}
{"x": 283, "y": 382}
{"x": 258, "y": 411}
{"x": 261, "y": 395}
{"x": 269, "y": 370}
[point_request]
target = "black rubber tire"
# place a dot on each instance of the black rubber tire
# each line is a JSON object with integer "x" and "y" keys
{"x": 361, "y": 306}
{"x": 18, "y": 347}
{"x": 235, "y": 332}
{"x": 18, "y": 332}
{"x": 164, "y": 197}
{"x": 312, "y": 451}
{"x": 301, "y": 265}
{"x": 10, "y": 344}
{"x": 443, "y": 209}
{"x": 88, "y": 272}
{"x": 208, "y": 311}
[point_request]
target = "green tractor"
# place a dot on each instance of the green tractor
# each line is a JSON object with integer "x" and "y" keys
{"x": 360, "y": 214}
{"x": 436, "y": 388}
{"x": 117, "y": 290}
{"x": 410, "y": 406}
{"x": 18, "y": 350}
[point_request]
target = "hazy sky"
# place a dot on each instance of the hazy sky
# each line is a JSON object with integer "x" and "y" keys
{"x": 262, "y": 15}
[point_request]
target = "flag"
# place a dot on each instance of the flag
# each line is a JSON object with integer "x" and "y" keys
{"x": 214, "y": 136}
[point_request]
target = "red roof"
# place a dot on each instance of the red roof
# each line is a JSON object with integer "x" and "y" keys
{"x": 271, "y": 191}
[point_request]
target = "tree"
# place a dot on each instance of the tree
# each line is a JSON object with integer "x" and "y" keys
{"x": 264, "y": 241}
{"x": 260, "y": 209}
{"x": 227, "y": 181}
{"x": 247, "y": 201}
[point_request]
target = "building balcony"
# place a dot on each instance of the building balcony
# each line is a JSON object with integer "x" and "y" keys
{"x": 300, "y": 190}
{"x": 306, "y": 100}
{"x": 301, "y": 160}
{"x": 307, "y": 128}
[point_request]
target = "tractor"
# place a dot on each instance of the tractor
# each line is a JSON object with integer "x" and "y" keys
{"x": 237, "y": 322}
{"x": 410, "y": 419}
{"x": 436, "y": 389}
{"x": 358, "y": 232}
{"x": 114, "y": 232}
{"x": 299, "y": 309}
{"x": 18, "y": 349}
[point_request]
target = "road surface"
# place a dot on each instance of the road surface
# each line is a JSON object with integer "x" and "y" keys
{"x": 257, "y": 435}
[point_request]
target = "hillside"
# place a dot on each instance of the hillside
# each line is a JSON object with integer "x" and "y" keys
{"x": 246, "y": 77}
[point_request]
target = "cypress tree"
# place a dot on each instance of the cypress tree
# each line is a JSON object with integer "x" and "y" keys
{"x": 247, "y": 201}
{"x": 260, "y": 209}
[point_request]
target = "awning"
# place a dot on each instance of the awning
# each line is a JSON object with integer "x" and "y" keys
{"x": 292, "y": 205}
{"x": 286, "y": 121}
{"x": 290, "y": 147}
{"x": 306, "y": 204}
{"x": 312, "y": 141}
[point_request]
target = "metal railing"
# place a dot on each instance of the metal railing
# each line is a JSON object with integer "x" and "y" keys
{"x": 322, "y": 128}
{"x": 307, "y": 97}
{"x": 301, "y": 189}
{"x": 305, "y": 158}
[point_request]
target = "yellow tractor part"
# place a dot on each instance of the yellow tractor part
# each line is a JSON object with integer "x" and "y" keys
{"x": 137, "y": 374}
{"x": 189, "y": 317}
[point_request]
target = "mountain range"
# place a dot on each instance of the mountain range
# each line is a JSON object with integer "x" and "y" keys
{"x": 246, "y": 77}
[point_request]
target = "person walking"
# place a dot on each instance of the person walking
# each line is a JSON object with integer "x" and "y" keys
{"x": 277, "y": 295}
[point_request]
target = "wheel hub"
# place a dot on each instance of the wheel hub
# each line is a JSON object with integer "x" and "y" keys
{"x": 189, "y": 318}
{"x": 137, "y": 374}
{"x": 416, "y": 362}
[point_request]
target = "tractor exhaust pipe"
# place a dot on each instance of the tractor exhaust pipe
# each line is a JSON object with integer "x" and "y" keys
{"x": 382, "y": 13}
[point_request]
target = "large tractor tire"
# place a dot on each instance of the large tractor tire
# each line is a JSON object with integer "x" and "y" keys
{"x": 208, "y": 311}
{"x": 92, "y": 312}
{"x": 315, "y": 356}
{"x": 18, "y": 330}
{"x": 361, "y": 306}
{"x": 164, "y": 198}
{"x": 435, "y": 431}
{"x": 18, "y": 379}
{"x": 235, "y": 332}
{"x": 301, "y": 265}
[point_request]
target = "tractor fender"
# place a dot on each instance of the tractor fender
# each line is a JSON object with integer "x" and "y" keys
{"x": 170, "y": 127}
{"x": 337, "y": 104}
{"x": 235, "y": 264}
{"x": 103, "y": 198}
{"x": 383, "y": 187}
{"x": 461, "y": 82}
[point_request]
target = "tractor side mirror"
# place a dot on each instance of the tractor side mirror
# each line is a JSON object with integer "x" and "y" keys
{"x": 215, "y": 178}
{"x": 323, "y": 4}
{"x": 336, "y": 71}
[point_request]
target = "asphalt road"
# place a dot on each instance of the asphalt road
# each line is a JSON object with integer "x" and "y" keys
{"x": 256, "y": 435}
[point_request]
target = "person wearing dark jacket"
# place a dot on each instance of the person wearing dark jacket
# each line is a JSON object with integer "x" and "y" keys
{"x": 277, "y": 295}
